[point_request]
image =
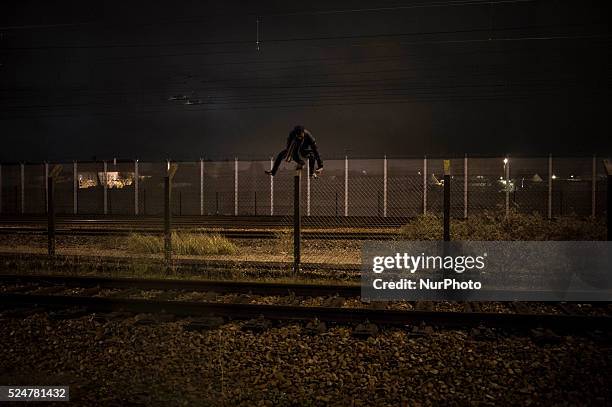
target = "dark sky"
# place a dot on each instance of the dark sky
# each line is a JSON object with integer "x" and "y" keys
{"x": 93, "y": 79}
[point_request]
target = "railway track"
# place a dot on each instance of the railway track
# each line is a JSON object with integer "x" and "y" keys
{"x": 231, "y": 234}
{"x": 208, "y": 221}
{"x": 10, "y": 261}
{"x": 240, "y": 287}
{"x": 52, "y": 293}
{"x": 235, "y": 227}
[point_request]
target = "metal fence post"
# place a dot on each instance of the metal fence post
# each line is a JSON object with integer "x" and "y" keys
{"x": 22, "y": 169}
{"x": 550, "y": 180}
{"x": 346, "y": 200}
{"x": 507, "y": 177}
{"x": 307, "y": 189}
{"x": 465, "y": 187}
{"x": 608, "y": 167}
{"x": 105, "y": 188}
{"x": 201, "y": 187}
{"x": 271, "y": 189}
{"x": 51, "y": 209}
{"x": 385, "y": 186}
{"x": 75, "y": 184}
{"x": 297, "y": 221}
{"x": 609, "y": 207}
{"x": 46, "y": 186}
{"x": 235, "y": 186}
{"x": 424, "y": 185}
{"x": 447, "y": 189}
{"x": 50, "y": 217}
{"x": 168, "y": 214}
{"x": 136, "y": 187}
{"x": 167, "y": 222}
{"x": 594, "y": 187}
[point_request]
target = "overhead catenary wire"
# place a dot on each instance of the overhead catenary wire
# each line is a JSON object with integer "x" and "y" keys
{"x": 325, "y": 38}
{"x": 360, "y": 86}
{"x": 508, "y": 39}
{"x": 313, "y": 104}
{"x": 233, "y": 15}
{"x": 384, "y": 87}
{"x": 357, "y": 89}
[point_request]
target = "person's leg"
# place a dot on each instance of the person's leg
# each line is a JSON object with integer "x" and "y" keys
{"x": 277, "y": 162}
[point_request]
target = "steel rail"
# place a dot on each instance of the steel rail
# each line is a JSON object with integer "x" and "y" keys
{"x": 241, "y": 220}
{"x": 572, "y": 323}
{"x": 258, "y": 288}
{"x": 41, "y": 261}
{"x": 232, "y": 234}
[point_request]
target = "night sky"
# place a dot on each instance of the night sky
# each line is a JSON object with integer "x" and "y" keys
{"x": 80, "y": 80}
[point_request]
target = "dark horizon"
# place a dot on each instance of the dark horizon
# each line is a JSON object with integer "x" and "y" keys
{"x": 368, "y": 79}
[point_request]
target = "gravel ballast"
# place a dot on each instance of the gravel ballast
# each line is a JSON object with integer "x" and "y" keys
{"x": 123, "y": 362}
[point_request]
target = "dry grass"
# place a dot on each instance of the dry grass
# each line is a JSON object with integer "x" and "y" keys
{"x": 517, "y": 226}
{"x": 182, "y": 244}
{"x": 284, "y": 242}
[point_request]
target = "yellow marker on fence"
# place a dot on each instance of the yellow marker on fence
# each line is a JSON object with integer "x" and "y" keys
{"x": 447, "y": 167}
{"x": 172, "y": 170}
{"x": 55, "y": 171}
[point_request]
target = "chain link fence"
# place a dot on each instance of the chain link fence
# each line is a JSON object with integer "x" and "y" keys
{"x": 352, "y": 201}
{"x": 350, "y": 187}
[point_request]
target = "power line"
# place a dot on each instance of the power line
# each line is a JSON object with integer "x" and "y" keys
{"x": 396, "y": 8}
{"x": 260, "y": 61}
{"x": 361, "y": 85}
{"x": 498, "y": 89}
{"x": 297, "y": 39}
{"x": 465, "y": 73}
{"x": 458, "y": 3}
{"x": 314, "y": 104}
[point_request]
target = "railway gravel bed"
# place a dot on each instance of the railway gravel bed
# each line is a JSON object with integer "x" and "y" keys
{"x": 123, "y": 362}
{"x": 268, "y": 254}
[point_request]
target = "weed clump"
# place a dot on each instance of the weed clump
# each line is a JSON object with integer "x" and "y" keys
{"x": 490, "y": 226}
{"x": 192, "y": 244}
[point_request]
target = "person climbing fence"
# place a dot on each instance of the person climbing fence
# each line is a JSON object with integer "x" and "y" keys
{"x": 300, "y": 144}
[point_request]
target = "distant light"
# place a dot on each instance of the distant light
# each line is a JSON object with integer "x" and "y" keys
{"x": 554, "y": 176}
{"x": 506, "y": 160}
{"x": 571, "y": 176}
{"x": 168, "y": 165}
{"x": 501, "y": 178}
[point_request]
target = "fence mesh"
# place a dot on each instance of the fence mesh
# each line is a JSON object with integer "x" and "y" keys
{"x": 352, "y": 201}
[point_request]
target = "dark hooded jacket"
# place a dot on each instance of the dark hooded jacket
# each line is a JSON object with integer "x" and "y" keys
{"x": 306, "y": 146}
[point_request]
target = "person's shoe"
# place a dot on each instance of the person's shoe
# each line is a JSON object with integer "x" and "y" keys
{"x": 270, "y": 173}
{"x": 318, "y": 171}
